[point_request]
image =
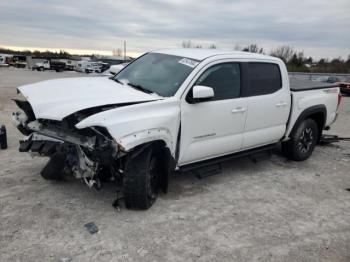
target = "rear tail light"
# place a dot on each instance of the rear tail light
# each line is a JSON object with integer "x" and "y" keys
{"x": 339, "y": 99}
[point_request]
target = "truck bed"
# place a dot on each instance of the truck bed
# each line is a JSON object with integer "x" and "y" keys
{"x": 303, "y": 85}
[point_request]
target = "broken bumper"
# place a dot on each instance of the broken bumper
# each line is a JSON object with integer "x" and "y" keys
{"x": 37, "y": 143}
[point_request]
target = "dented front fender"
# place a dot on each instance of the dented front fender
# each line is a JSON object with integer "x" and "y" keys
{"x": 137, "y": 124}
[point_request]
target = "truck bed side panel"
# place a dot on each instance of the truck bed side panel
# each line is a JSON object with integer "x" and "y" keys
{"x": 303, "y": 100}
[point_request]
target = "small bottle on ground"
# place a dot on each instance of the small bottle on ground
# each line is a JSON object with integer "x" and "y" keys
{"x": 3, "y": 137}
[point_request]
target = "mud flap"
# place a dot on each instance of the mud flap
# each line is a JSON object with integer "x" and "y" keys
{"x": 168, "y": 166}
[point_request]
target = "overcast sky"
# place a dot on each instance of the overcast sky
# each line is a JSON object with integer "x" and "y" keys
{"x": 319, "y": 27}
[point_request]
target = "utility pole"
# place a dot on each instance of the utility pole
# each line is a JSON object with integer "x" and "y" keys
{"x": 124, "y": 50}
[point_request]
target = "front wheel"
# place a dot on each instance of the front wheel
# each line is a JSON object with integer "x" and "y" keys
{"x": 302, "y": 141}
{"x": 141, "y": 176}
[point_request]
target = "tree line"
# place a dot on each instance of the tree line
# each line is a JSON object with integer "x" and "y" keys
{"x": 38, "y": 54}
{"x": 295, "y": 60}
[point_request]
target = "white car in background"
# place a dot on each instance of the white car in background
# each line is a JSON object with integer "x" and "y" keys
{"x": 88, "y": 67}
{"x": 114, "y": 69}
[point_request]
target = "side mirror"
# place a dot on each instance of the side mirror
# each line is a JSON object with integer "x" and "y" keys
{"x": 202, "y": 93}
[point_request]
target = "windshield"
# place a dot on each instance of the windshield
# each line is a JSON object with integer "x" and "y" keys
{"x": 157, "y": 73}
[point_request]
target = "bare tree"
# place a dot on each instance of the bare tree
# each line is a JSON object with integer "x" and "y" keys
{"x": 253, "y": 48}
{"x": 309, "y": 60}
{"x": 348, "y": 61}
{"x": 212, "y": 46}
{"x": 187, "y": 44}
{"x": 296, "y": 62}
{"x": 117, "y": 52}
{"x": 237, "y": 47}
{"x": 283, "y": 52}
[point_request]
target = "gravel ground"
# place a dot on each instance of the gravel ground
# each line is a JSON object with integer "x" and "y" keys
{"x": 275, "y": 210}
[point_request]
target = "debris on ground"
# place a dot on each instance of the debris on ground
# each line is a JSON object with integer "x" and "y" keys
{"x": 91, "y": 227}
{"x": 142, "y": 252}
{"x": 181, "y": 217}
{"x": 66, "y": 259}
{"x": 116, "y": 202}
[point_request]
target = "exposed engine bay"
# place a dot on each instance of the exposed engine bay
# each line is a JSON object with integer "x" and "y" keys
{"x": 90, "y": 154}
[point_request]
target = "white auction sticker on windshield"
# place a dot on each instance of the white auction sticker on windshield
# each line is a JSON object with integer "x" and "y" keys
{"x": 188, "y": 62}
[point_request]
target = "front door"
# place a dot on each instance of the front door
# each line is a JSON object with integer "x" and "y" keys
{"x": 215, "y": 127}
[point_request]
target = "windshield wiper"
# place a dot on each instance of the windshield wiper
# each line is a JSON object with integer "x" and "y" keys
{"x": 118, "y": 81}
{"x": 141, "y": 88}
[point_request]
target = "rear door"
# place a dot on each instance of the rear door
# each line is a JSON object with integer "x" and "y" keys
{"x": 268, "y": 104}
{"x": 215, "y": 127}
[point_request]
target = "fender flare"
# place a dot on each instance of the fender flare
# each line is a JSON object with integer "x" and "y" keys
{"x": 146, "y": 136}
{"x": 308, "y": 112}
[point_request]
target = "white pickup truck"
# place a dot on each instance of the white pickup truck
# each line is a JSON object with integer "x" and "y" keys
{"x": 170, "y": 110}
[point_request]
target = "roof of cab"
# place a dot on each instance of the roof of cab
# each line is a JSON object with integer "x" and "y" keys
{"x": 201, "y": 54}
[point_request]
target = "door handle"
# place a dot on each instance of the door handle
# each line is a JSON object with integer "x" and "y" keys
{"x": 281, "y": 104}
{"x": 238, "y": 109}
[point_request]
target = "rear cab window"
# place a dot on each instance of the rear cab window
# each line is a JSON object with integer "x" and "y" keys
{"x": 264, "y": 78}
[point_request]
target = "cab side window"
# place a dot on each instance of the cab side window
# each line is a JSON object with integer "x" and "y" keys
{"x": 225, "y": 79}
{"x": 264, "y": 78}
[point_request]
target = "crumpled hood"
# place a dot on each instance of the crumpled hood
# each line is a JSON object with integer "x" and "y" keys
{"x": 56, "y": 99}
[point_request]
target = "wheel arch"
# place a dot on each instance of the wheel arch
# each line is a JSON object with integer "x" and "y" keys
{"x": 154, "y": 135}
{"x": 318, "y": 113}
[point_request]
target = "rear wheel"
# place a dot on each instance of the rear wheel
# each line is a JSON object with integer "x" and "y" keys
{"x": 302, "y": 141}
{"x": 141, "y": 178}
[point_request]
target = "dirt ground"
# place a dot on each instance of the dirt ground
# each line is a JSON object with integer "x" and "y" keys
{"x": 275, "y": 210}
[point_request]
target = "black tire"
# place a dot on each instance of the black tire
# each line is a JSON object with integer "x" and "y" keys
{"x": 54, "y": 168}
{"x": 141, "y": 176}
{"x": 302, "y": 141}
{"x": 105, "y": 174}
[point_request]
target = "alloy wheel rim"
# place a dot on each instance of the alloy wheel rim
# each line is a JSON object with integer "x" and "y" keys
{"x": 305, "y": 140}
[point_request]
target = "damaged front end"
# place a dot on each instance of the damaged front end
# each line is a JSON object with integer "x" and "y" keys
{"x": 90, "y": 154}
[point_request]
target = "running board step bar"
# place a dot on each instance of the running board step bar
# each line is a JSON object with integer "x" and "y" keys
{"x": 256, "y": 154}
